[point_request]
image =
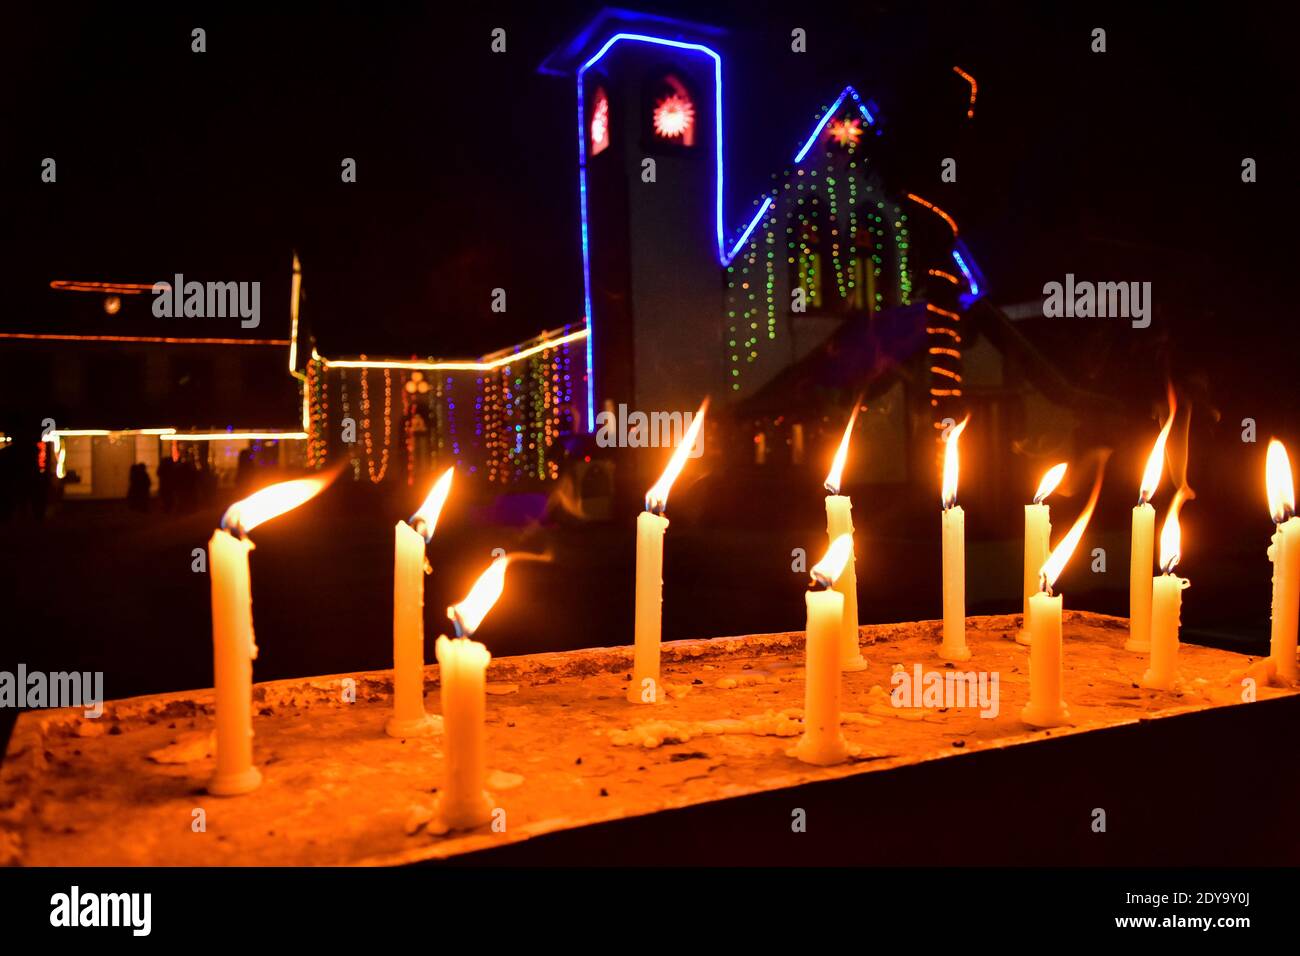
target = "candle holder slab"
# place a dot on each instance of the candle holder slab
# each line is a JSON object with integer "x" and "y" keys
{"x": 580, "y": 775}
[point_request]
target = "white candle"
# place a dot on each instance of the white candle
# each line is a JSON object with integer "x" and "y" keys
{"x": 462, "y": 664}
{"x": 463, "y": 804}
{"x": 1166, "y": 605}
{"x": 1166, "y": 608}
{"x": 1142, "y": 549}
{"x": 1038, "y": 532}
{"x": 823, "y": 741}
{"x": 233, "y": 650}
{"x": 410, "y": 565}
{"x": 839, "y": 521}
{"x": 649, "y": 597}
{"x": 1139, "y": 581}
{"x": 1284, "y": 552}
{"x": 1046, "y": 707}
{"x": 233, "y": 645}
{"x": 954, "y": 646}
{"x": 650, "y": 528}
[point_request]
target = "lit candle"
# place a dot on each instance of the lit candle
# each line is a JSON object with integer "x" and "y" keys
{"x": 1284, "y": 552}
{"x": 1046, "y": 707}
{"x": 463, "y": 803}
{"x": 409, "y": 568}
{"x": 650, "y": 527}
{"x": 954, "y": 556}
{"x": 1038, "y": 533}
{"x": 1166, "y": 606}
{"x": 839, "y": 521}
{"x": 1143, "y": 544}
{"x": 822, "y": 742}
{"x": 233, "y": 645}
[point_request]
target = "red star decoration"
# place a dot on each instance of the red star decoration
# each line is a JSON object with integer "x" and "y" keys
{"x": 846, "y": 132}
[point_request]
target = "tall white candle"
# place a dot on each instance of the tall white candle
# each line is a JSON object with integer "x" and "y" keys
{"x": 649, "y": 598}
{"x": 1038, "y": 532}
{"x": 823, "y": 741}
{"x": 233, "y": 650}
{"x": 1166, "y": 605}
{"x": 954, "y": 646}
{"x": 463, "y": 803}
{"x": 410, "y": 565}
{"x": 1142, "y": 554}
{"x": 650, "y": 528}
{"x": 1046, "y": 706}
{"x": 462, "y": 666}
{"x": 1143, "y": 546}
{"x": 233, "y": 645}
{"x": 839, "y": 521}
{"x": 1284, "y": 552}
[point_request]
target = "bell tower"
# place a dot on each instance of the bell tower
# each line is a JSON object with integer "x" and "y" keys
{"x": 650, "y": 187}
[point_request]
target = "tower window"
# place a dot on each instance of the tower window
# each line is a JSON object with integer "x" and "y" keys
{"x": 600, "y": 122}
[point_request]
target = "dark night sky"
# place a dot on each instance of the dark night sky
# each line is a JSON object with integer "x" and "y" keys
{"x": 1124, "y": 165}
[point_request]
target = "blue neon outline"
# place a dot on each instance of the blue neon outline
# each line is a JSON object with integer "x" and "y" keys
{"x": 961, "y": 264}
{"x": 767, "y": 202}
{"x": 582, "y": 180}
{"x": 817, "y": 130}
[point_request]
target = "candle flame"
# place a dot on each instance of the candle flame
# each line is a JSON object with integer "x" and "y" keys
{"x": 1281, "y": 489}
{"x": 1049, "y": 482}
{"x": 1171, "y": 535}
{"x": 469, "y": 613}
{"x": 425, "y": 518}
{"x": 828, "y": 570}
{"x": 950, "y": 464}
{"x": 656, "y": 499}
{"x": 1056, "y": 561}
{"x": 833, "y": 478}
{"x": 272, "y": 501}
{"x": 1156, "y": 460}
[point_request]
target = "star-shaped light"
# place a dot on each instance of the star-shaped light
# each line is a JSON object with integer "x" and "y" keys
{"x": 674, "y": 116}
{"x": 846, "y": 132}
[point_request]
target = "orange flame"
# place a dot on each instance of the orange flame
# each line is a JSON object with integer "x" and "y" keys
{"x": 1171, "y": 535}
{"x": 1281, "y": 489}
{"x": 950, "y": 464}
{"x": 656, "y": 499}
{"x": 469, "y": 613}
{"x": 1055, "y": 562}
{"x": 836, "y": 473}
{"x": 1156, "y": 460}
{"x": 272, "y": 501}
{"x": 1049, "y": 482}
{"x": 828, "y": 570}
{"x": 426, "y": 518}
